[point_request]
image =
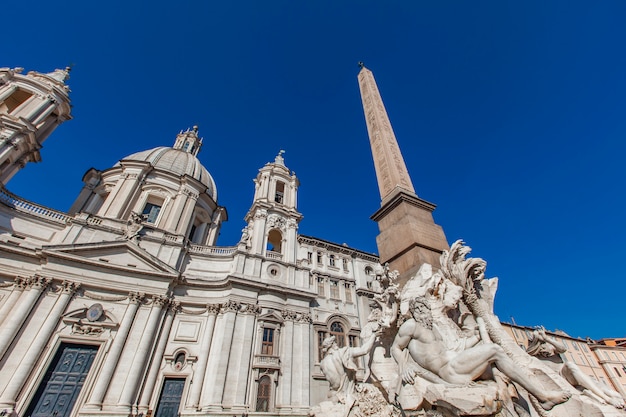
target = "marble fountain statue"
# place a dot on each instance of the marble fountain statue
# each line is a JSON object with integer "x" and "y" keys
{"x": 435, "y": 348}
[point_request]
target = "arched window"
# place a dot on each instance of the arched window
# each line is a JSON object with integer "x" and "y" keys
{"x": 279, "y": 197}
{"x": 263, "y": 394}
{"x": 274, "y": 241}
{"x": 336, "y": 329}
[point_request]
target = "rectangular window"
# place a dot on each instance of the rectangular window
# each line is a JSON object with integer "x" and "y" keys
{"x": 309, "y": 257}
{"x": 319, "y": 257}
{"x": 320, "y": 286}
{"x": 267, "y": 346}
{"x": 348, "y": 289}
{"x": 151, "y": 212}
{"x": 353, "y": 341}
{"x": 334, "y": 289}
{"x": 320, "y": 344}
{"x": 331, "y": 260}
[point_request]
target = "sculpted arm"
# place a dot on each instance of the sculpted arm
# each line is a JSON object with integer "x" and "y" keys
{"x": 366, "y": 347}
{"x": 558, "y": 346}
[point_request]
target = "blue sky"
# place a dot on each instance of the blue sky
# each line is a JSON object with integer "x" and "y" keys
{"x": 511, "y": 117}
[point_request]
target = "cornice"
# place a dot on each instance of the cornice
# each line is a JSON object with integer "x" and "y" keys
{"x": 395, "y": 200}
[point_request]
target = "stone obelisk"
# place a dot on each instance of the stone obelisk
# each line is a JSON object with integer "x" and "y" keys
{"x": 408, "y": 235}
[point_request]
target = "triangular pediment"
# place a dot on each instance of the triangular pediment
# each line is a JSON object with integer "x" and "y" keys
{"x": 271, "y": 316}
{"x": 125, "y": 255}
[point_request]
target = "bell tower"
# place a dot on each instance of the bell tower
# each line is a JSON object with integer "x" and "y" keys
{"x": 31, "y": 107}
{"x": 273, "y": 217}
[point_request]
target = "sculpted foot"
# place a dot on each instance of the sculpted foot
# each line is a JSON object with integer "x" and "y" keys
{"x": 553, "y": 398}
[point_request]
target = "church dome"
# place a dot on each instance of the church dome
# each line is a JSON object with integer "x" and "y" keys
{"x": 180, "y": 160}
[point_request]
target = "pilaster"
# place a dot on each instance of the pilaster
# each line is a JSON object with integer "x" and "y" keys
{"x": 157, "y": 358}
{"x": 18, "y": 288}
{"x": 26, "y": 302}
{"x": 112, "y": 358}
{"x": 143, "y": 351}
{"x": 35, "y": 350}
{"x": 199, "y": 375}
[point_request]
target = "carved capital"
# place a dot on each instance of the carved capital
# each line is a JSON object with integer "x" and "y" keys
{"x": 190, "y": 193}
{"x": 304, "y": 318}
{"x": 174, "y": 306}
{"x": 69, "y": 287}
{"x": 213, "y": 308}
{"x": 39, "y": 282}
{"x": 297, "y": 317}
{"x": 230, "y": 307}
{"x": 161, "y": 301}
{"x": 250, "y": 309}
{"x": 289, "y": 315}
{"x": 135, "y": 297}
{"x": 130, "y": 175}
{"x": 20, "y": 283}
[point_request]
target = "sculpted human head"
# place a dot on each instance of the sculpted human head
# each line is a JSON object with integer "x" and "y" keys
{"x": 328, "y": 344}
{"x": 452, "y": 295}
{"x": 420, "y": 310}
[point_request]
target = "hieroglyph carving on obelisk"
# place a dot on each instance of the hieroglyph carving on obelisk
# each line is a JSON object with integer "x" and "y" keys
{"x": 390, "y": 168}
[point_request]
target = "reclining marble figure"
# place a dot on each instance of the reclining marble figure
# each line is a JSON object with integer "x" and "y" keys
{"x": 443, "y": 353}
{"x": 550, "y": 350}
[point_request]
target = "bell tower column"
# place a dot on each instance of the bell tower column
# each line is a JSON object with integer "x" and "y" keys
{"x": 408, "y": 235}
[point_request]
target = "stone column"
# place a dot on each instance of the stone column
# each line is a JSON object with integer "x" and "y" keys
{"x": 300, "y": 378}
{"x": 6, "y": 92}
{"x": 18, "y": 288}
{"x": 110, "y": 363}
{"x": 286, "y": 358}
{"x": 138, "y": 365}
{"x": 185, "y": 217}
{"x": 36, "y": 348}
{"x": 199, "y": 373}
{"x": 177, "y": 205}
{"x": 26, "y": 302}
{"x": 218, "y": 360}
{"x": 148, "y": 388}
{"x": 122, "y": 193}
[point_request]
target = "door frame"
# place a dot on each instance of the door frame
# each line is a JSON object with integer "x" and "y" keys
{"x": 42, "y": 366}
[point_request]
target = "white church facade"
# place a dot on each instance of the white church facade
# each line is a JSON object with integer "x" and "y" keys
{"x": 126, "y": 306}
